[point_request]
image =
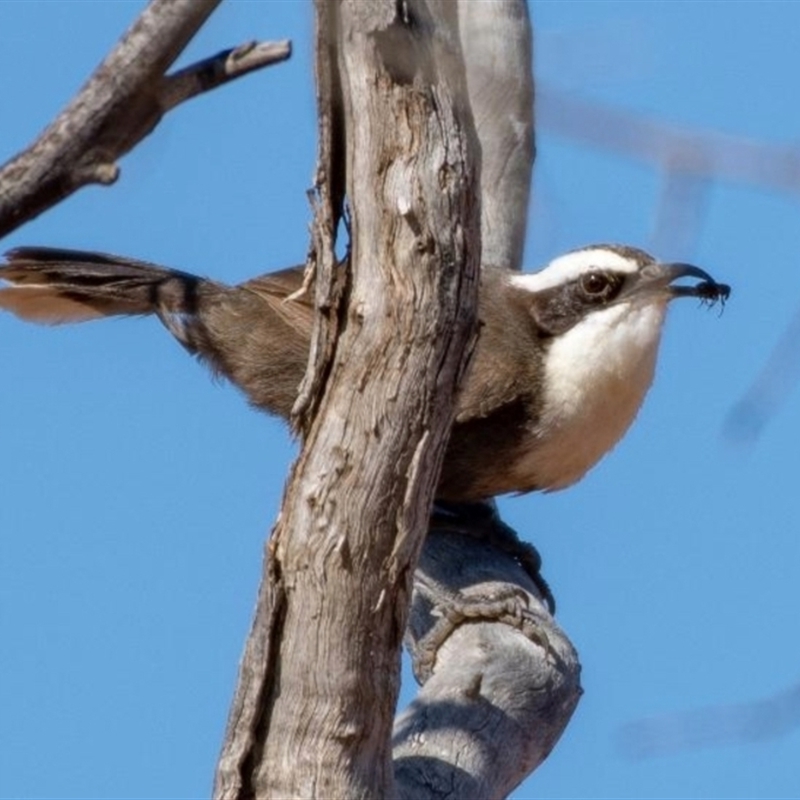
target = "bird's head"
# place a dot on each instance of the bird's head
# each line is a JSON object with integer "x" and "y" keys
{"x": 597, "y": 314}
{"x": 616, "y": 282}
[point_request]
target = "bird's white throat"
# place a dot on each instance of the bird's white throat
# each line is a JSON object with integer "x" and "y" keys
{"x": 596, "y": 377}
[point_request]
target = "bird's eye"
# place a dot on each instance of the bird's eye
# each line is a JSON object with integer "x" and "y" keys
{"x": 595, "y": 284}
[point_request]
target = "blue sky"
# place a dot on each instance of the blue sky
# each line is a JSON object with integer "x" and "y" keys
{"x": 135, "y": 493}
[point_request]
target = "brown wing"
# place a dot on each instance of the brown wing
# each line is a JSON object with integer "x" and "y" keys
{"x": 505, "y": 366}
{"x": 286, "y": 296}
{"x": 256, "y": 334}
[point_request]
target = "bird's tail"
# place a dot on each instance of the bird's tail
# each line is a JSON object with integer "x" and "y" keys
{"x": 55, "y": 286}
{"x": 247, "y": 333}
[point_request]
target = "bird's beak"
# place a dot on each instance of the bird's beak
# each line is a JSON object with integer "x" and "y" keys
{"x": 660, "y": 278}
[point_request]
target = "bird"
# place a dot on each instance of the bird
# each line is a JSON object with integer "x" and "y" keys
{"x": 563, "y": 360}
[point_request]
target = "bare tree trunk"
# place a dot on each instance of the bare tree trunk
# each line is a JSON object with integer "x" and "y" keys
{"x": 313, "y": 714}
{"x": 500, "y": 678}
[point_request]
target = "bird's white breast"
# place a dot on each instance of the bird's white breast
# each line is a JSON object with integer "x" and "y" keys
{"x": 596, "y": 377}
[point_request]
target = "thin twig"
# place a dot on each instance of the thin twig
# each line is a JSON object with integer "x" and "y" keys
{"x": 222, "y": 68}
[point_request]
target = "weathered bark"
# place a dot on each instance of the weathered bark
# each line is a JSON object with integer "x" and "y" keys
{"x": 497, "y": 42}
{"x": 343, "y": 553}
{"x": 501, "y": 679}
{"x": 119, "y": 106}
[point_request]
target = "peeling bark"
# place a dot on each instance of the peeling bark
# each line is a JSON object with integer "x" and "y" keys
{"x": 354, "y": 517}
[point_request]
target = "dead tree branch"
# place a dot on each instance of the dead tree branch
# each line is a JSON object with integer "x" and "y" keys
{"x": 500, "y": 678}
{"x": 218, "y": 70}
{"x": 337, "y": 585}
{"x": 497, "y": 40}
{"x": 703, "y": 154}
{"x": 119, "y": 105}
{"x": 723, "y": 725}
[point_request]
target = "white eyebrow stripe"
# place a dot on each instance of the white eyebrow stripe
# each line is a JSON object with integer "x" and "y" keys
{"x": 572, "y": 265}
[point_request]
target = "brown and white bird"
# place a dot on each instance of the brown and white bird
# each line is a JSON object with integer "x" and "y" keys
{"x": 563, "y": 361}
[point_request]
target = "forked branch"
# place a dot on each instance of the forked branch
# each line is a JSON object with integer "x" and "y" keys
{"x": 119, "y": 105}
